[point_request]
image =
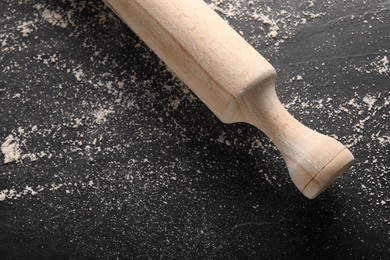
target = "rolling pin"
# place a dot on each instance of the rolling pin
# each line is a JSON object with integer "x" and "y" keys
{"x": 234, "y": 81}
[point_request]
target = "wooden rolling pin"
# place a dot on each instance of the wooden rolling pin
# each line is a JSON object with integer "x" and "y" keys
{"x": 234, "y": 81}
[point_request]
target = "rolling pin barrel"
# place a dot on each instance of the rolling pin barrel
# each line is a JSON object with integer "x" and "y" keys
{"x": 234, "y": 81}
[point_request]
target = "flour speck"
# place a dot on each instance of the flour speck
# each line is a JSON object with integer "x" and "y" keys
{"x": 10, "y": 149}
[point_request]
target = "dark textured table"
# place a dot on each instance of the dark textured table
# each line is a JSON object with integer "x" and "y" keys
{"x": 106, "y": 155}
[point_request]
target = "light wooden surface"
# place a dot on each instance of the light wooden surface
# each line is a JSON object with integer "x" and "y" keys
{"x": 234, "y": 81}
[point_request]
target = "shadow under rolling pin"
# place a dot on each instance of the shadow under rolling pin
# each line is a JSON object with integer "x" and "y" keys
{"x": 234, "y": 81}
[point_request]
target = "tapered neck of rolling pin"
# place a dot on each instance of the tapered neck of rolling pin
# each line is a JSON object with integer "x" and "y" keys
{"x": 314, "y": 160}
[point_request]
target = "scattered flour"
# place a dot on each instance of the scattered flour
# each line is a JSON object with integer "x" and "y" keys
{"x": 223, "y": 140}
{"x": 10, "y": 149}
{"x": 101, "y": 115}
{"x": 78, "y": 73}
{"x": 35, "y": 156}
{"x": 276, "y": 24}
{"x": 175, "y": 103}
{"x": 26, "y": 28}
{"x": 382, "y": 65}
{"x": 273, "y": 33}
{"x": 379, "y": 66}
{"x": 52, "y": 17}
{"x": 369, "y": 101}
{"x": 14, "y": 194}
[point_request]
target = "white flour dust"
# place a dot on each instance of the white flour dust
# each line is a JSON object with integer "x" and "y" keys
{"x": 10, "y": 149}
{"x": 101, "y": 115}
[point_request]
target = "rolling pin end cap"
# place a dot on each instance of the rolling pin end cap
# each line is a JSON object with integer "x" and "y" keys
{"x": 328, "y": 174}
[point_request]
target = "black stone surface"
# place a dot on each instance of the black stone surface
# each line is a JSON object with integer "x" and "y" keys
{"x": 119, "y": 160}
